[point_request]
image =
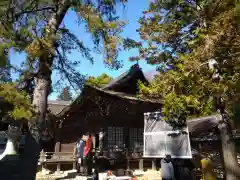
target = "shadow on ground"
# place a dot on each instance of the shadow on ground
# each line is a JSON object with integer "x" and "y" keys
{"x": 9, "y": 167}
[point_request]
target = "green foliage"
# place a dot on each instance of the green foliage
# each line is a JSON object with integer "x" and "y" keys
{"x": 181, "y": 37}
{"x": 25, "y": 26}
{"x": 99, "y": 81}
{"x": 65, "y": 94}
{"x": 14, "y": 103}
{"x": 5, "y": 74}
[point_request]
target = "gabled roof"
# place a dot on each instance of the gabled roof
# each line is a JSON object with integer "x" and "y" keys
{"x": 130, "y": 77}
{"x": 126, "y": 96}
{"x": 93, "y": 90}
{"x": 203, "y": 125}
{"x": 124, "y": 86}
{"x": 204, "y": 128}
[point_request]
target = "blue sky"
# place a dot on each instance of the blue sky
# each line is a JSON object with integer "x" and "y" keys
{"x": 131, "y": 14}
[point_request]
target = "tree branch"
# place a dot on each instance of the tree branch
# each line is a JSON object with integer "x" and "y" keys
{"x": 33, "y": 11}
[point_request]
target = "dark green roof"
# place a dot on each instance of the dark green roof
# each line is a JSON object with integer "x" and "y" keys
{"x": 128, "y": 81}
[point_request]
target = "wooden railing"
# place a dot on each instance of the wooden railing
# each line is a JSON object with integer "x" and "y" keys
{"x": 57, "y": 158}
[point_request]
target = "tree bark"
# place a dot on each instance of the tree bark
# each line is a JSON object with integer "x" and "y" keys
{"x": 228, "y": 149}
{"x": 32, "y": 148}
{"x": 29, "y": 159}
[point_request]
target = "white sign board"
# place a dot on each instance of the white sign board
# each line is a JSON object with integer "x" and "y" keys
{"x": 161, "y": 139}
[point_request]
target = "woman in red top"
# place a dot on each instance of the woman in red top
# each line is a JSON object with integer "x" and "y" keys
{"x": 88, "y": 154}
{"x": 88, "y": 146}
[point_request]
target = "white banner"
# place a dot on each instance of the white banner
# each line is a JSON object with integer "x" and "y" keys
{"x": 161, "y": 139}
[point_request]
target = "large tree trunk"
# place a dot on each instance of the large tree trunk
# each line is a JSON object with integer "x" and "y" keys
{"x": 32, "y": 149}
{"x": 231, "y": 166}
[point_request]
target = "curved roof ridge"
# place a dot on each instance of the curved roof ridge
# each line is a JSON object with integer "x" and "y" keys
{"x": 132, "y": 70}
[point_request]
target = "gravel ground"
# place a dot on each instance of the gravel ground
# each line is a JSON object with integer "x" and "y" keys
{"x": 66, "y": 175}
{"x": 71, "y": 175}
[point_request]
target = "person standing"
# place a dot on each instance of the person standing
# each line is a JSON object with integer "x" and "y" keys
{"x": 167, "y": 170}
{"x": 177, "y": 166}
{"x": 101, "y": 139}
{"x": 207, "y": 169}
{"x": 191, "y": 170}
{"x": 88, "y": 154}
{"x": 181, "y": 171}
{"x": 80, "y": 153}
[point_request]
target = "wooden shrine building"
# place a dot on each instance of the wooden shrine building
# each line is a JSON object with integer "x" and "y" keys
{"x": 116, "y": 109}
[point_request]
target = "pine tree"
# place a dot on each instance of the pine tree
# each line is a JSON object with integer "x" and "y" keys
{"x": 35, "y": 27}
{"x": 65, "y": 95}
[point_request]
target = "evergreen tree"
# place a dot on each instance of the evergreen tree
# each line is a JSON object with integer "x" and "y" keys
{"x": 35, "y": 27}
{"x": 99, "y": 81}
{"x": 196, "y": 47}
{"x": 65, "y": 95}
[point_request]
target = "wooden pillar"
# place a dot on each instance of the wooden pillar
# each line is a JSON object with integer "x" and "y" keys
{"x": 43, "y": 160}
{"x": 58, "y": 137}
{"x": 43, "y": 167}
{"x": 74, "y": 165}
{"x": 154, "y": 164}
{"x": 128, "y": 164}
{"x": 58, "y": 168}
{"x": 140, "y": 164}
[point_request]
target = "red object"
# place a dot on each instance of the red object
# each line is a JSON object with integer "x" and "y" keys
{"x": 88, "y": 146}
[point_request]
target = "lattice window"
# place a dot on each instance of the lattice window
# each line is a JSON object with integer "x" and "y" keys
{"x": 136, "y": 139}
{"x": 115, "y": 137}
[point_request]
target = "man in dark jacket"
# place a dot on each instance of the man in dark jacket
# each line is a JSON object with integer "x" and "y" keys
{"x": 80, "y": 154}
{"x": 167, "y": 170}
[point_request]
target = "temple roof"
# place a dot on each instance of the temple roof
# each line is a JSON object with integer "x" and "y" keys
{"x": 204, "y": 128}
{"x": 128, "y": 81}
{"x": 124, "y": 86}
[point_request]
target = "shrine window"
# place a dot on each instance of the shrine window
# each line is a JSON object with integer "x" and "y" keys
{"x": 136, "y": 139}
{"x": 115, "y": 137}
